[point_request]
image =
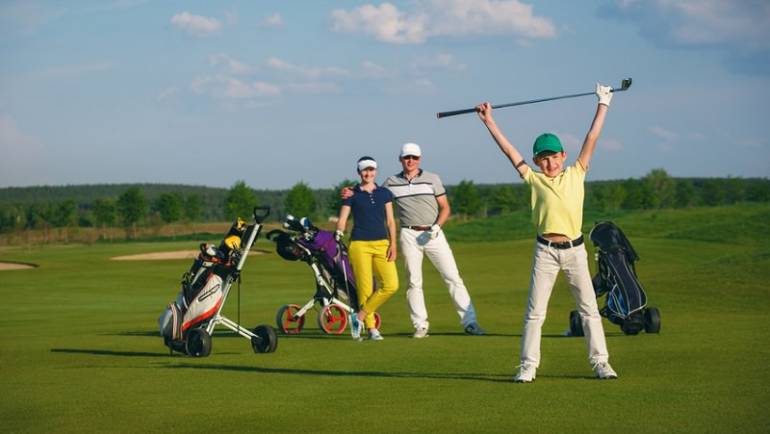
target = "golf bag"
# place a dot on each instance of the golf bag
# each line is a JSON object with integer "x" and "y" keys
{"x": 335, "y": 292}
{"x": 626, "y": 302}
{"x": 189, "y": 321}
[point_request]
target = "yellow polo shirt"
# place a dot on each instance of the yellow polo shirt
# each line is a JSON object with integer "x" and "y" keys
{"x": 557, "y": 203}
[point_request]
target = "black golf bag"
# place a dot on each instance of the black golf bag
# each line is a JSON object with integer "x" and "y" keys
{"x": 626, "y": 302}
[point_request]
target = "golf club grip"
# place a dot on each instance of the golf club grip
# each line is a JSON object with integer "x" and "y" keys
{"x": 455, "y": 113}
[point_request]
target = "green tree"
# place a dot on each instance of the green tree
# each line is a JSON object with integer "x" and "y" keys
{"x": 634, "y": 194}
{"x": 466, "y": 199}
{"x": 300, "y": 201}
{"x": 169, "y": 206}
{"x": 131, "y": 208}
{"x": 659, "y": 189}
{"x": 335, "y": 201}
{"x": 11, "y": 218}
{"x": 65, "y": 216}
{"x": 240, "y": 201}
{"x": 503, "y": 199}
{"x": 712, "y": 192}
{"x": 193, "y": 207}
{"x": 104, "y": 214}
{"x": 685, "y": 195}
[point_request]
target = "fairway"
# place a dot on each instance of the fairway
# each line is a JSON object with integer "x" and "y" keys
{"x": 80, "y": 350}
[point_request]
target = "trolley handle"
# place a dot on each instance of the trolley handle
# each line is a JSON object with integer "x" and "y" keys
{"x": 260, "y": 213}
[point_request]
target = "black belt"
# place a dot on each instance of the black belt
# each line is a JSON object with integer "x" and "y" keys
{"x": 418, "y": 227}
{"x": 561, "y": 245}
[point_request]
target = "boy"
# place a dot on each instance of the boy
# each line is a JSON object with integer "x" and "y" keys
{"x": 557, "y": 212}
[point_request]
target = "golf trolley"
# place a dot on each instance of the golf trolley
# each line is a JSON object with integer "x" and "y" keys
{"x": 335, "y": 285}
{"x": 626, "y": 303}
{"x": 188, "y": 322}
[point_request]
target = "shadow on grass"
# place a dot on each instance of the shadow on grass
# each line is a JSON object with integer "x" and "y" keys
{"x": 494, "y": 378}
{"x": 164, "y": 354}
{"x": 109, "y": 352}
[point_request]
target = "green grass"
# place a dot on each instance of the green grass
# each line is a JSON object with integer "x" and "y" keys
{"x": 79, "y": 350}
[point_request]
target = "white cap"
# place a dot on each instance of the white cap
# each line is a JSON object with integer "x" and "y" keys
{"x": 411, "y": 149}
{"x": 366, "y": 163}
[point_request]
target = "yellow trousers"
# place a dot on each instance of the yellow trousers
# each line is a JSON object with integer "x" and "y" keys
{"x": 369, "y": 260}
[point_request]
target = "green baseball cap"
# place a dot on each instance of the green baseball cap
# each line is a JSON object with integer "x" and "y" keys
{"x": 546, "y": 143}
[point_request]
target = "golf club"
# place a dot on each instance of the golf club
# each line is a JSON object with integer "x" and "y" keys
{"x": 626, "y": 83}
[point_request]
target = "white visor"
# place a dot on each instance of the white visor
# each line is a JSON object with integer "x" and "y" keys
{"x": 365, "y": 164}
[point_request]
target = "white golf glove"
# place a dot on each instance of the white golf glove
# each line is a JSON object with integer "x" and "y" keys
{"x": 604, "y": 93}
{"x": 434, "y": 231}
{"x": 338, "y": 235}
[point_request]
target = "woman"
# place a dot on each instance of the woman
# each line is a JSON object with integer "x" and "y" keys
{"x": 372, "y": 246}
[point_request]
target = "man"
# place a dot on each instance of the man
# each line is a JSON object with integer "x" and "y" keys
{"x": 557, "y": 212}
{"x": 423, "y": 209}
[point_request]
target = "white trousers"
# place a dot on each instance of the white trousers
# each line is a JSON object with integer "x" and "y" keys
{"x": 545, "y": 267}
{"x": 415, "y": 245}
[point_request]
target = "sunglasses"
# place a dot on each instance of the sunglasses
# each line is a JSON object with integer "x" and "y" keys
{"x": 411, "y": 157}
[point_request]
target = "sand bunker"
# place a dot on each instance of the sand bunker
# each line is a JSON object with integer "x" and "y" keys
{"x": 164, "y": 256}
{"x": 15, "y": 266}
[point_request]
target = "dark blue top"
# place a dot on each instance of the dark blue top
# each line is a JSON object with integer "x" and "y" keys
{"x": 368, "y": 211}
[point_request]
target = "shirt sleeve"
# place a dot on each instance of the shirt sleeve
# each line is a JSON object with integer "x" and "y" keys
{"x": 438, "y": 186}
{"x": 349, "y": 201}
{"x": 529, "y": 177}
{"x": 388, "y": 195}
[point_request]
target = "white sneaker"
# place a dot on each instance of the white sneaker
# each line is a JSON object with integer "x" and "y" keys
{"x": 526, "y": 373}
{"x": 374, "y": 335}
{"x": 604, "y": 371}
{"x": 421, "y": 332}
{"x": 356, "y": 327}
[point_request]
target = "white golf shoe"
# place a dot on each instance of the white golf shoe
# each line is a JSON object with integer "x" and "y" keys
{"x": 604, "y": 371}
{"x": 375, "y": 335}
{"x": 420, "y": 332}
{"x": 526, "y": 373}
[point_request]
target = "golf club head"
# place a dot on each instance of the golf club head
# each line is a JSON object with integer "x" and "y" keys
{"x": 625, "y": 84}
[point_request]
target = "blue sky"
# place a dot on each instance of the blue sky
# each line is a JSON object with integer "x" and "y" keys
{"x": 273, "y": 93}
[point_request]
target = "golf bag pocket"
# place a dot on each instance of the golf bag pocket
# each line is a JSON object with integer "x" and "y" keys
{"x": 170, "y": 323}
{"x": 205, "y": 304}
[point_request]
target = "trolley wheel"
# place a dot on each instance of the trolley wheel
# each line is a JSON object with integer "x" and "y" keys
{"x": 633, "y": 324}
{"x": 287, "y": 322}
{"x": 575, "y": 324}
{"x": 377, "y": 320}
{"x": 652, "y": 320}
{"x": 265, "y": 341}
{"x": 333, "y": 319}
{"x": 198, "y": 343}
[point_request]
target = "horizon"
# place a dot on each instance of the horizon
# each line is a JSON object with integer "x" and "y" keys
{"x": 201, "y": 94}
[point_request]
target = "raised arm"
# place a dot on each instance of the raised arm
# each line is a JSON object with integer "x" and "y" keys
{"x": 485, "y": 114}
{"x": 589, "y": 144}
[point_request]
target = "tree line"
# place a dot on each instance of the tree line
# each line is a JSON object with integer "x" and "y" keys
{"x": 138, "y": 205}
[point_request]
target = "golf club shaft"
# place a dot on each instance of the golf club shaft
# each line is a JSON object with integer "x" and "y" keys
{"x": 532, "y": 101}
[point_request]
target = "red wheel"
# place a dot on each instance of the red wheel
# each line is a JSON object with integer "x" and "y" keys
{"x": 377, "y": 320}
{"x": 287, "y": 322}
{"x": 333, "y": 319}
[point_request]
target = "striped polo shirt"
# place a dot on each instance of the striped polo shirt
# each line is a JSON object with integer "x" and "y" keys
{"x": 416, "y": 199}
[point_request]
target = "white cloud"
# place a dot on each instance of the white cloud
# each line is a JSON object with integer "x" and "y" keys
{"x": 663, "y": 133}
{"x": 229, "y": 87}
{"x": 167, "y": 93}
{"x": 312, "y": 88}
{"x": 233, "y": 66}
{"x": 274, "y": 20}
{"x": 432, "y": 18}
{"x": 739, "y": 30}
{"x": 439, "y": 61}
{"x": 11, "y": 138}
{"x": 313, "y": 72}
{"x": 374, "y": 70}
{"x": 197, "y": 25}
